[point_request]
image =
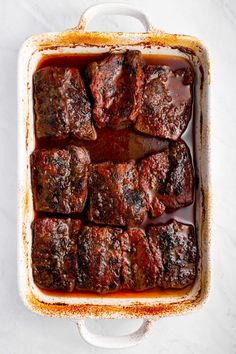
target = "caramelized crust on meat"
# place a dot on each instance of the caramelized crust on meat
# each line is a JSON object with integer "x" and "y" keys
{"x": 61, "y": 104}
{"x": 153, "y": 172}
{"x": 139, "y": 269}
{"x": 110, "y": 259}
{"x": 166, "y": 102}
{"x": 175, "y": 246}
{"x": 112, "y": 251}
{"x": 106, "y": 259}
{"x": 59, "y": 179}
{"x": 115, "y": 197}
{"x": 116, "y": 85}
{"x": 99, "y": 259}
{"x": 54, "y": 260}
{"x": 178, "y": 189}
{"x": 167, "y": 178}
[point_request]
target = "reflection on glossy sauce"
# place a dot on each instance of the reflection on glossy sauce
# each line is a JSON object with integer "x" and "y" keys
{"x": 120, "y": 146}
{"x": 82, "y": 60}
{"x": 112, "y": 145}
{"x": 151, "y": 293}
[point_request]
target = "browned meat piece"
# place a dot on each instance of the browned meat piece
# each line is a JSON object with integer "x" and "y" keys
{"x": 178, "y": 190}
{"x": 139, "y": 270}
{"x": 59, "y": 179}
{"x": 54, "y": 260}
{"x": 153, "y": 172}
{"x": 116, "y": 85}
{"x": 61, "y": 104}
{"x": 166, "y": 103}
{"x": 175, "y": 245}
{"x": 115, "y": 197}
{"x": 99, "y": 259}
{"x": 110, "y": 259}
{"x": 167, "y": 178}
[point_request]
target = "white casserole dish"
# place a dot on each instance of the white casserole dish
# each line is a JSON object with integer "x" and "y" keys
{"x": 74, "y": 41}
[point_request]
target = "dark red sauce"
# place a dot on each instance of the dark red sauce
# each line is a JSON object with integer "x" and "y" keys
{"x": 120, "y": 146}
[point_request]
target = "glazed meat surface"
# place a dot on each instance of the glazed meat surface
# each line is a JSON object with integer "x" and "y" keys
{"x": 139, "y": 269}
{"x": 118, "y": 179}
{"x": 178, "y": 190}
{"x": 99, "y": 259}
{"x": 167, "y": 178}
{"x": 116, "y": 85}
{"x": 114, "y": 194}
{"x": 166, "y": 102}
{"x": 107, "y": 259}
{"x": 175, "y": 246}
{"x": 59, "y": 179}
{"x": 61, "y": 104}
{"x": 110, "y": 259}
{"x": 54, "y": 250}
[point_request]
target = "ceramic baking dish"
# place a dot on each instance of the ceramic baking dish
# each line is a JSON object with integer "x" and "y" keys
{"x": 75, "y": 41}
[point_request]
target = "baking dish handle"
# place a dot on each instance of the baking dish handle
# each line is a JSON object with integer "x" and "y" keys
{"x": 113, "y": 342}
{"x": 114, "y": 9}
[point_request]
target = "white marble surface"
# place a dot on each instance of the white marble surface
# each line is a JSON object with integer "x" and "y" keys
{"x": 212, "y": 329}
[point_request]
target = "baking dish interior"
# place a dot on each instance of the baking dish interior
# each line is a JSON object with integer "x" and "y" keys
{"x": 30, "y": 57}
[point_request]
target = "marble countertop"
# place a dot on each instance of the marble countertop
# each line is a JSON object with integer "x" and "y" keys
{"x": 210, "y": 330}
